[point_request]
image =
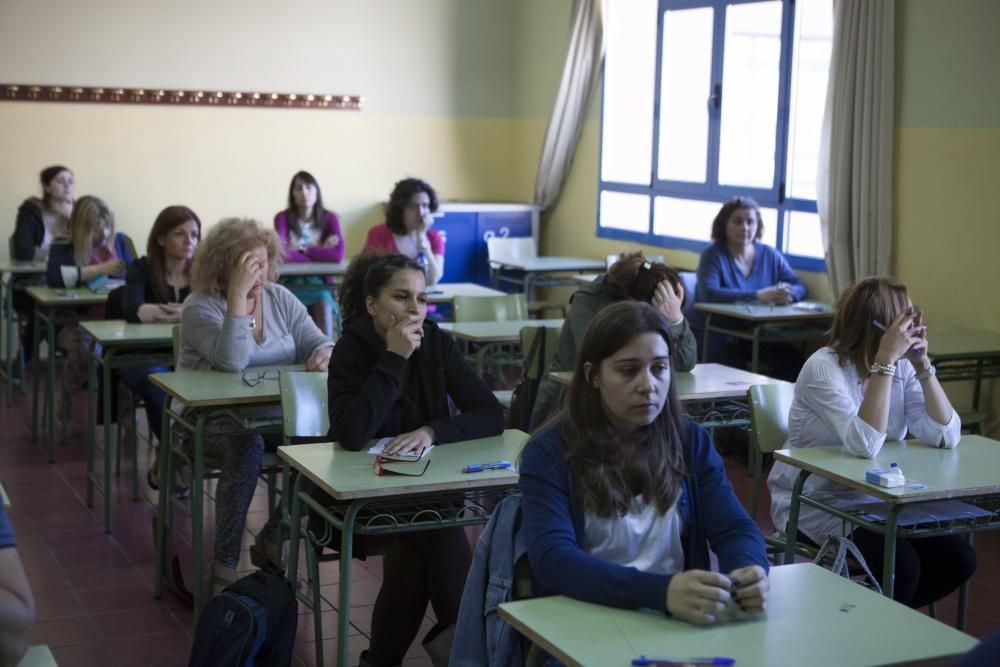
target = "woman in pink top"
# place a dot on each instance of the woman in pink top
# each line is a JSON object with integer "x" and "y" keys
{"x": 310, "y": 233}
{"x": 407, "y": 229}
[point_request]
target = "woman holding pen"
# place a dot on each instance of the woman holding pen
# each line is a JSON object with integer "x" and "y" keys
{"x": 874, "y": 382}
{"x": 394, "y": 374}
{"x": 622, "y": 498}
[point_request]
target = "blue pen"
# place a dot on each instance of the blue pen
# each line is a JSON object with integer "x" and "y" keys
{"x": 493, "y": 465}
{"x": 710, "y": 660}
{"x": 879, "y": 325}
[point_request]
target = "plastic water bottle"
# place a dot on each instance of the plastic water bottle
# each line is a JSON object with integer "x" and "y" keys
{"x": 896, "y": 474}
{"x": 422, "y": 262}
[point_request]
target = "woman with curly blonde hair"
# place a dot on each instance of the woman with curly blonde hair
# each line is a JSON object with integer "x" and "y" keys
{"x": 238, "y": 318}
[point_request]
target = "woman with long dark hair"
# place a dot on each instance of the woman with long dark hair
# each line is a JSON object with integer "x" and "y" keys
{"x": 622, "y": 498}
{"x": 310, "y": 233}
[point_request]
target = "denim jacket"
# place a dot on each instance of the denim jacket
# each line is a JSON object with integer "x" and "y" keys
{"x": 481, "y": 637}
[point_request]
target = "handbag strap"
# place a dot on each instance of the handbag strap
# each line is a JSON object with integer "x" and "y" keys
{"x": 840, "y": 547}
{"x": 538, "y": 341}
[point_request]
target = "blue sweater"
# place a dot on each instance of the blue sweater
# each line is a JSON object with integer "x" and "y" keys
{"x": 721, "y": 281}
{"x": 61, "y": 254}
{"x": 553, "y": 526}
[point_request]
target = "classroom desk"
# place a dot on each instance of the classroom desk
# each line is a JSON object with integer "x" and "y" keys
{"x": 322, "y": 269}
{"x": 213, "y": 391}
{"x": 49, "y": 303}
{"x": 763, "y": 321}
{"x": 373, "y": 505}
{"x": 813, "y": 617}
{"x": 967, "y": 472}
{"x": 118, "y": 344}
{"x": 446, "y": 292}
{"x": 16, "y": 274}
{"x": 492, "y": 335}
{"x": 966, "y": 354}
{"x": 534, "y": 268}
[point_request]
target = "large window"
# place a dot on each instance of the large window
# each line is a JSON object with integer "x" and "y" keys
{"x": 706, "y": 100}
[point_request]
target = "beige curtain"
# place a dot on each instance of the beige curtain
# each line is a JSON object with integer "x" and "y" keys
{"x": 579, "y": 78}
{"x": 854, "y": 186}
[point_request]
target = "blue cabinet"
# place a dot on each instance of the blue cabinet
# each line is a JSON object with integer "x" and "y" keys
{"x": 466, "y": 226}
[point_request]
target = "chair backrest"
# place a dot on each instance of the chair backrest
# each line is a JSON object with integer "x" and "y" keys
{"x": 690, "y": 280}
{"x": 769, "y": 406}
{"x": 517, "y": 247}
{"x": 538, "y": 366}
{"x": 114, "y": 307}
{"x": 490, "y": 308}
{"x": 304, "y": 405}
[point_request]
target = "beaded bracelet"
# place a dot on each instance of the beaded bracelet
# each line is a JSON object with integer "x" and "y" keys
{"x": 882, "y": 369}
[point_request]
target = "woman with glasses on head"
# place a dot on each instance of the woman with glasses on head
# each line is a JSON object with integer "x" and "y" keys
{"x": 310, "y": 233}
{"x": 237, "y": 318}
{"x": 407, "y": 229}
{"x": 622, "y": 498}
{"x": 397, "y": 374}
{"x": 868, "y": 386}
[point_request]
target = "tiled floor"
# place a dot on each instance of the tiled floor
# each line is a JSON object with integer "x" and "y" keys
{"x": 94, "y": 591}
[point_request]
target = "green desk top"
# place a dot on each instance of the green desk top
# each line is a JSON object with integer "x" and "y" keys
{"x": 198, "y": 389}
{"x": 314, "y": 268}
{"x": 22, "y": 268}
{"x": 757, "y": 312}
{"x": 38, "y": 655}
{"x": 348, "y": 475}
{"x": 813, "y": 618}
{"x": 119, "y": 332}
{"x": 78, "y": 296}
{"x": 971, "y": 469}
{"x": 445, "y": 292}
{"x": 704, "y": 382}
{"x": 550, "y": 264}
{"x": 963, "y": 343}
{"x": 508, "y": 331}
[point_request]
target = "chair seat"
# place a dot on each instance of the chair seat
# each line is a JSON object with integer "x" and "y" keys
{"x": 504, "y": 396}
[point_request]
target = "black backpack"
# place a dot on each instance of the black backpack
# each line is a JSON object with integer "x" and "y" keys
{"x": 251, "y": 623}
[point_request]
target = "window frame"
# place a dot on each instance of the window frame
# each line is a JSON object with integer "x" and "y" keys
{"x": 711, "y": 191}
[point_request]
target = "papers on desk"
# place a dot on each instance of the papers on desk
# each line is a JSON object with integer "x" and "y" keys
{"x": 379, "y": 446}
{"x": 940, "y": 513}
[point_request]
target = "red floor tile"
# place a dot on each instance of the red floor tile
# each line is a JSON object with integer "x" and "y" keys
{"x": 57, "y": 605}
{"x": 95, "y": 654}
{"x": 64, "y": 632}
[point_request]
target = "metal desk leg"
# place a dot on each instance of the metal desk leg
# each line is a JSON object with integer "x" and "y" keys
{"x": 197, "y": 510}
{"x": 164, "y": 499}
{"x": 8, "y": 312}
{"x": 35, "y": 379}
{"x": 792, "y": 531}
{"x": 295, "y": 534}
{"x": 889, "y": 554}
{"x": 704, "y": 339}
{"x": 91, "y": 425}
{"x": 346, "y": 554}
{"x": 50, "y": 389}
{"x": 963, "y": 597}
{"x": 106, "y": 483}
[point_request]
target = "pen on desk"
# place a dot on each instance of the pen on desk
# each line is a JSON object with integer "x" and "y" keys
{"x": 708, "y": 660}
{"x": 749, "y": 311}
{"x": 492, "y": 465}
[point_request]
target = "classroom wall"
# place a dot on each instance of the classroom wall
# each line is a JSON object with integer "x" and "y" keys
{"x": 435, "y": 75}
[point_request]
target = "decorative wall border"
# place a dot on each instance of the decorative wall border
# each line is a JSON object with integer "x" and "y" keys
{"x": 19, "y": 92}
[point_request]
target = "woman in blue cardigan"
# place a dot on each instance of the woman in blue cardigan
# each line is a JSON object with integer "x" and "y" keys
{"x": 622, "y": 499}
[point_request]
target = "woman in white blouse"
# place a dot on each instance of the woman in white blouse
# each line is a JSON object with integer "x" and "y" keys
{"x": 868, "y": 386}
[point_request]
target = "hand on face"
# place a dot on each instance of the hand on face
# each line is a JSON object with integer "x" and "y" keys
{"x": 404, "y": 335}
{"x": 901, "y": 336}
{"x": 246, "y": 273}
{"x": 697, "y": 596}
{"x": 667, "y": 299}
{"x": 917, "y": 354}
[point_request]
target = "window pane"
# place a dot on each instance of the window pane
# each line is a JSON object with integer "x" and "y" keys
{"x": 805, "y": 237}
{"x": 621, "y": 210}
{"x": 750, "y": 94}
{"x": 685, "y": 83}
{"x": 770, "y": 218}
{"x": 810, "y": 72}
{"x": 629, "y": 78}
{"x": 684, "y": 218}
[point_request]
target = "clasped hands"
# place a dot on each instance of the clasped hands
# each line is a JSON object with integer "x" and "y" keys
{"x": 699, "y": 596}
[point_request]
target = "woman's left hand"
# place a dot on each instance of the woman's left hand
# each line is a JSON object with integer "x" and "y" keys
{"x": 668, "y": 299}
{"x": 414, "y": 442}
{"x": 750, "y": 588}
{"x": 917, "y": 354}
{"x": 319, "y": 360}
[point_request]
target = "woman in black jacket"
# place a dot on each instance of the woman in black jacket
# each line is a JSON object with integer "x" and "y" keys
{"x": 391, "y": 375}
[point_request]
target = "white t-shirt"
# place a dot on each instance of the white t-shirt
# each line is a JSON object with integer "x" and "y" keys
{"x": 824, "y": 413}
{"x": 643, "y": 538}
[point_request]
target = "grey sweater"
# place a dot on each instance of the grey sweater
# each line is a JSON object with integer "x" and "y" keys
{"x": 213, "y": 340}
